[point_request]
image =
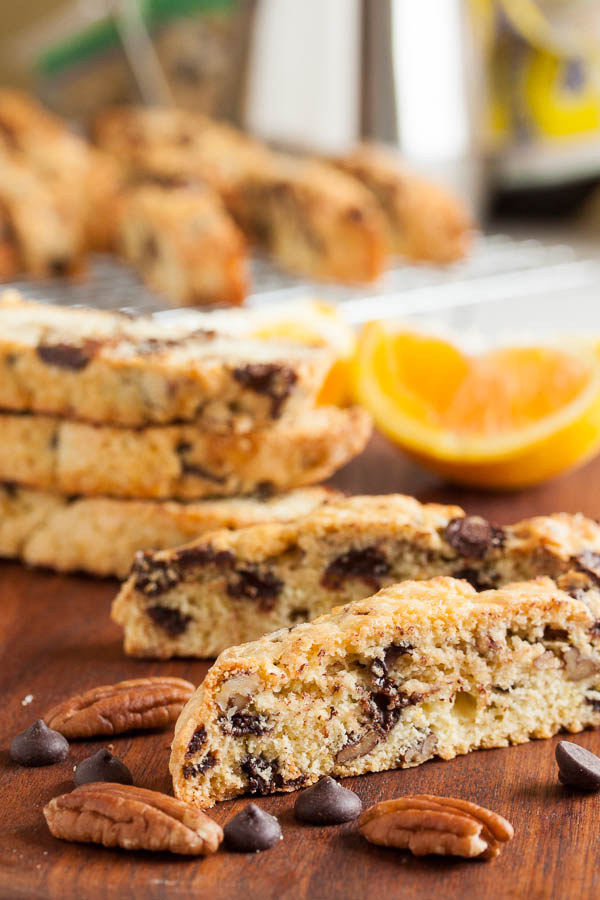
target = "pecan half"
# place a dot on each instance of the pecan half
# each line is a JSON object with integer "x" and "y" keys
{"x": 428, "y": 824}
{"x": 119, "y": 815}
{"x": 127, "y": 706}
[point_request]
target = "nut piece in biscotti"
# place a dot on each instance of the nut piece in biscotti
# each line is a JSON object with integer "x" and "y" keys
{"x": 228, "y": 588}
{"x": 120, "y": 815}
{"x": 421, "y": 669}
{"x": 427, "y": 824}
{"x": 313, "y": 220}
{"x": 106, "y": 368}
{"x": 133, "y": 705}
{"x": 425, "y": 221}
{"x": 183, "y": 462}
{"x": 184, "y": 244}
{"x": 109, "y": 532}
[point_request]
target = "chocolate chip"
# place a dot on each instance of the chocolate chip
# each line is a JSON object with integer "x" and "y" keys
{"x": 272, "y": 379}
{"x": 369, "y": 564}
{"x": 197, "y": 742}
{"x": 173, "y": 621}
{"x": 252, "y": 830}
{"x": 473, "y": 536}
{"x": 59, "y": 267}
{"x": 68, "y": 356}
{"x": 327, "y": 803}
{"x": 476, "y": 579}
{"x": 39, "y": 745}
{"x": 197, "y": 556}
{"x": 199, "y": 768}
{"x": 555, "y": 634}
{"x": 589, "y": 562}
{"x": 102, "y": 766}
{"x": 262, "y": 774}
{"x": 154, "y": 576}
{"x": 577, "y": 767}
{"x": 244, "y": 723}
{"x": 199, "y": 471}
{"x": 255, "y": 584}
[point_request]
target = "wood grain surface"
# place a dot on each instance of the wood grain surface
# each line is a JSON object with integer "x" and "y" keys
{"x": 57, "y": 640}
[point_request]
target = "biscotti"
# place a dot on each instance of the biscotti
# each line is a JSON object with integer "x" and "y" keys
{"x": 184, "y": 244}
{"x": 232, "y": 587}
{"x": 313, "y": 220}
{"x": 419, "y": 670}
{"x": 183, "y": 462}
{"x": 107, "y": 368}
{"x": 101, "y": 535}
{"x": 425, "y": 221}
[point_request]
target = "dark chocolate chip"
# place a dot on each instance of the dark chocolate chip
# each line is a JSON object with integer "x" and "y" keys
{"x": 68, "y": 356}
{"x": 173, "y": 621}
{"x": 263, "y": 774}
{"x": 39, "y": 745}
{"x": 197, "y": 742}
{"x": 59, "y": 267}
{"x": 327, "y": 803}
{"x": 102, "y": 766}
{"x": 272, "y": 379}
{"x": 473, "y": 536}
{"x": 196, "y": 557}
{"x": 476, "y": 579}
{"x": 369, "y": 563}
{"x": 589, "y": 562}
{"x": 252, "y": 830}
{"x": 577, "y": 767}
{"x": 244, "y": 723}
{"x": 555, "y": 634}
{"x": 255, "y": 584}
{"x": 199, "y": 768}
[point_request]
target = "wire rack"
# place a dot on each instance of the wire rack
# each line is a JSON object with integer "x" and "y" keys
{"x": 499, "y": 268}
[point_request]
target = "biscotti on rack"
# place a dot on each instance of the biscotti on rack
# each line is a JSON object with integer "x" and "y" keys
{"x": 101, "y": 535}
{"x": 184, "y": 462}
{"x": 425, "y": 221}
{"x": 104, "y": 367}
{"x": 419, "y": 670}
{"x": 183, "y": 244}
{"x": 232, "y": 587}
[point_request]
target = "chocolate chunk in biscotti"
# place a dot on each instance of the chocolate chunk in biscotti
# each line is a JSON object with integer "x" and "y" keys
{"x": 473, "y": 536}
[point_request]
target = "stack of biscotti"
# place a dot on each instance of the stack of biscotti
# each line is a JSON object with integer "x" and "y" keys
{"x": 229, "y": 587}
{"x": 119, "y": 434}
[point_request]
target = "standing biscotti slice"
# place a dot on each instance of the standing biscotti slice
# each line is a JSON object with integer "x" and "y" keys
{"x": 49, "y": 234}
{"x": 422, "y": 669}
{"x": 425, "y": 221}
{"x": 102, "y": 535}
{"x": 104, "y": 367}
{"x": 230, "y": 587}
{"x": 313, "y": 220}
{"x": 184, "y": 244}
{"x": 178, "y": 461}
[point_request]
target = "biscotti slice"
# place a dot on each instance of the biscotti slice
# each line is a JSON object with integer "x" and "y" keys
{"x": 49, "y": 234}
{"x": 101, "y": 535}
{"x": 105, "y": 367}
{"x": 183, "y": 462}
{"x": 234, "y": 587}
{"x": 421, "y": 669}
{"x": 313, "y": 220}
{"x": 183, "y": 244}
{"x": 425, "y": 221}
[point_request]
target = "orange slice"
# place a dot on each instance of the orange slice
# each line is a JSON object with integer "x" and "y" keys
{"x": 506, "y": 419}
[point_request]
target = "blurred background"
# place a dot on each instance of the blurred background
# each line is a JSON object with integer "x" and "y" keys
{"x": 498, "y": 100}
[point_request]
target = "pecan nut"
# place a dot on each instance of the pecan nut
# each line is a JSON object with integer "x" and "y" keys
{"x": 428, "y": 824}
{"x": 120, "y": 815}
{"x": 126, "y": 706}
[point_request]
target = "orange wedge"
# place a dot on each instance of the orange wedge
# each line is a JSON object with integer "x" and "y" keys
{"x": 506, "y": 419}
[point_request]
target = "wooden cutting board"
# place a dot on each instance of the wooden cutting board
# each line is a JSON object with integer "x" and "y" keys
{"x": 56, "y": 640}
